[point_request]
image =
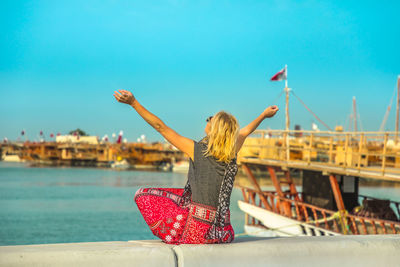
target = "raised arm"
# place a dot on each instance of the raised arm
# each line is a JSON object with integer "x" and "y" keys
{"x": 184, "y": 144}
{"x": 246, "y": 131}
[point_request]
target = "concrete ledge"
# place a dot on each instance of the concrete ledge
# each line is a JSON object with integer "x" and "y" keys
{"x": 372, "y": 250}
{"x": 377, "y": 250}
{"x": 96, "y": 254}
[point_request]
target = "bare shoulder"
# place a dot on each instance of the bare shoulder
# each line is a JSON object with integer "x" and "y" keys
{"x": 184, "y": 144}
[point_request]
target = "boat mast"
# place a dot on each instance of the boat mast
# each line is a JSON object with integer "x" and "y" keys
{"x": 354, "y": 114}
{"x": 287, "y": 101}
{"x": 287, "y": 116}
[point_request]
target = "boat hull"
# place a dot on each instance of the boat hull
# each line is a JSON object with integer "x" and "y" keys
{"x": 280, "y": 225}
{"x": 12, "y": 158}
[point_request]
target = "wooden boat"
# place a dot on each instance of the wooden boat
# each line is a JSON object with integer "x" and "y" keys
{"x": 327, "y": 205}
{"x": 332, "y": 164}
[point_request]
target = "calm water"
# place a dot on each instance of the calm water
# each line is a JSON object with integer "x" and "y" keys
{"x": 60, "y": 205}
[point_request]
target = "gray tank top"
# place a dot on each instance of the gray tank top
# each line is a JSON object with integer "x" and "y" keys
{"x": 205, "y": 176}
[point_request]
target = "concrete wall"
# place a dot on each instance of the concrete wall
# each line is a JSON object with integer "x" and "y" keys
{"x": 338, "y": 251}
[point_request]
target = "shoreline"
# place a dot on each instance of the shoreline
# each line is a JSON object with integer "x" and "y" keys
{"x": 259, "y": 175}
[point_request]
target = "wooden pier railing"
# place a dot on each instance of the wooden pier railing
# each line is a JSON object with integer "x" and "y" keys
{"x": 340, "y": 222}
{"x": 363, "y": 154}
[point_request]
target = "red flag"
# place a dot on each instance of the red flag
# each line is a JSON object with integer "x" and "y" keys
{"x": 281, "y": 75}
{"x": 120, "y": 137}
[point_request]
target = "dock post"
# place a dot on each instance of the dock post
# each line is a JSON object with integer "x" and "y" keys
{"x": 339, "y": 200}
{"x": 277, "y": 185}
{"x": 256, "y": 186}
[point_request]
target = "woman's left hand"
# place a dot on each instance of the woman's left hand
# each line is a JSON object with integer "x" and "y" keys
{"x": 270, "y": 111}
{"x": 124, "y": 96}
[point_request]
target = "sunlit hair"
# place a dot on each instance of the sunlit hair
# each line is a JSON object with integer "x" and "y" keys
{"x": 222, "y": 137}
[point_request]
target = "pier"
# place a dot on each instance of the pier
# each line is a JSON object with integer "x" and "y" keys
{"x": 79, "y": 152}
{"x": 373, "y": 250}
{"x": 332, "y": 164}
{"x": 364, "y": 154}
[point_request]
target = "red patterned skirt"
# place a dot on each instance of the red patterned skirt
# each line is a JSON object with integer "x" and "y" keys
{"x": 174, "y": 224}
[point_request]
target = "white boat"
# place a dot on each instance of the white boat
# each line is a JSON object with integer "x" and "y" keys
{"x": 165, "y": 167}
{"x": 180, "y": 166}
{"x": 123, "y": 164}
{"x": 12, "y": 158}
{"x": 278, "y": 225}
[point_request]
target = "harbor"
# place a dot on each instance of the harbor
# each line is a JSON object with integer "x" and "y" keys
{"x": 58, "y": 216}
{"x": 314, "y": 176}
{"x": 199, "y": 133}
{"x": 81, "y": 151}
{"x": 293, "y": 185}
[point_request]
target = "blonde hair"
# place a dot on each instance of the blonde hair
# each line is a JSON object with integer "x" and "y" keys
{"x": 222, "y": 137}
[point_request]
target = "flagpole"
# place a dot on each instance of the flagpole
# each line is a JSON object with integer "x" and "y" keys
{"x": 286, "y": 82}
{"x": 287, "y": 116}
{"x": 287, "y": 101}
{"x": 282, "y": 75}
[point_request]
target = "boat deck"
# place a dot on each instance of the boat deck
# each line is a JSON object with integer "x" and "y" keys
{"x": 390, "y": 174}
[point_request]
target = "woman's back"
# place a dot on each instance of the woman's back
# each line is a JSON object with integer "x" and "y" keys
{"x": 205, "y": 176}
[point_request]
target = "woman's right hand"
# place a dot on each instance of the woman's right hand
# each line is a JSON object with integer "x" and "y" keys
{"x": 270, "y": 111}
{"x": 124, "y": 96}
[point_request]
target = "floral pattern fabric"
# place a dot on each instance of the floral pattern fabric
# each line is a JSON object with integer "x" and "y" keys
{"x": 175, "y": 219}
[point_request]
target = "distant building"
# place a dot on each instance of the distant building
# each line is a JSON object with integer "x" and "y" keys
{"x": 77, "y": 139}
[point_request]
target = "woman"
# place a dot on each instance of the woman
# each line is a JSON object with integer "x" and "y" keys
{"x": 198, "y": 213}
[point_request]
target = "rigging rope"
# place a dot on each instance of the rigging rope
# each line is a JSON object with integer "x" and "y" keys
{"x": 298, "y": 98}
{"x": 359, "y": 120}
{"x": 276, "y": 99}
{"x": 381, "y": 129}
{"x": 350, "y": 120}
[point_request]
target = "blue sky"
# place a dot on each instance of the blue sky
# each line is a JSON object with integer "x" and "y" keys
{"x": 60, "y": 62}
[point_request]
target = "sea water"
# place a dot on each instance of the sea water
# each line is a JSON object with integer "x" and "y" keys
{"x": 40, "y": 205}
